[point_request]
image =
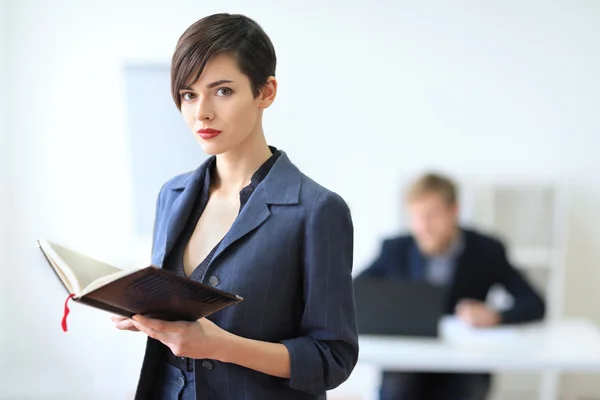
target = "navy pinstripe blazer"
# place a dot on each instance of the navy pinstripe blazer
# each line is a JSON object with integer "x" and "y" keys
{"x": 289, "y": 255}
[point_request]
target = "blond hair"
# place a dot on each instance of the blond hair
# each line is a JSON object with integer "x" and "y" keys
{"x": 433, "y": 183}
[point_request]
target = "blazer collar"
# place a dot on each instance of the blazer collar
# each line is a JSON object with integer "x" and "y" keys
{"x": 281, "y": 185}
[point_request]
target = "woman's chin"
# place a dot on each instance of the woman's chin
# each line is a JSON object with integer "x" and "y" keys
{"x": 211, "y": 148}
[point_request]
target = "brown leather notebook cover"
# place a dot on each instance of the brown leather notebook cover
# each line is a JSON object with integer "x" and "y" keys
{"x": 160, "y": 294}
{"x": 155, "y": 293}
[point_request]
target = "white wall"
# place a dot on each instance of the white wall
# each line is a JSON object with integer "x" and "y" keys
{"x": 377, "y": 92}
{"x": 4, "y": 163}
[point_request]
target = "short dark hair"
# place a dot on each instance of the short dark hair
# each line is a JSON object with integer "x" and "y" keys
{"x": 235, "y": 34}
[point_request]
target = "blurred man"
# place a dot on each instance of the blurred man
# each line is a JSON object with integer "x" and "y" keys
{"x": 468, "y": 263}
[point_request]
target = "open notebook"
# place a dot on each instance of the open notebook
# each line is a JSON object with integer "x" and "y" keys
{"x": 149, "y": 291}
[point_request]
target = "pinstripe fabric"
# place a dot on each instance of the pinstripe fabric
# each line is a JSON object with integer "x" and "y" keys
{"x": 289, "y": 254}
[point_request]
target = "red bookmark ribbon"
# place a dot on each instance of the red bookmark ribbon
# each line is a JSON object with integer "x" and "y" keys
{"x": 66, "y": 312}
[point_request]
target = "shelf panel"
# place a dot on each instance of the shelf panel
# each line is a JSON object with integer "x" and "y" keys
{"x": 528, "y": 257}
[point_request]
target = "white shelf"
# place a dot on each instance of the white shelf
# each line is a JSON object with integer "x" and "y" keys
{"x": 526, "y": 257}
{"x": 531, "y": 219}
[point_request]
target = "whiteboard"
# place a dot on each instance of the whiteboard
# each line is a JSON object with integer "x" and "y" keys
{"x": 160, "y": 144}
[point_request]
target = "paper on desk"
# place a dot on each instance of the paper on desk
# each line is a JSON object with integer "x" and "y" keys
{"x": 455, "y": 330}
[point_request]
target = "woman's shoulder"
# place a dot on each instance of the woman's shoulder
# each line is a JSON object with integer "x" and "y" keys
{"x": 177, "y": 182}
{"x": 173, "y": 187}
{"x": 180, "y": 181}
{"x": 316, "y": 195}
{"x": 311, "y": 194}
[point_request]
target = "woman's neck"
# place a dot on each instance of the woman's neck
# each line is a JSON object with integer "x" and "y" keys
{"x": 235, "y": 167}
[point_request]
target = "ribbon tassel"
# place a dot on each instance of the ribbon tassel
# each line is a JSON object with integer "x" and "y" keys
{"x": 66, "y": 312}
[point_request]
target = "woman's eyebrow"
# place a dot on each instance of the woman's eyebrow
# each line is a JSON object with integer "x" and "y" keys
{"x": 217, "y": 83}
{"x": 210, "y": 85}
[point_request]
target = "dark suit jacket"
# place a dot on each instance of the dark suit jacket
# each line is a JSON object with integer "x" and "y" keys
{"x": 289, "y": 255}
{"x": 482, "y": 264}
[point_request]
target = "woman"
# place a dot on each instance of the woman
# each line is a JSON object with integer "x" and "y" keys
{"x": 248, "y": 222}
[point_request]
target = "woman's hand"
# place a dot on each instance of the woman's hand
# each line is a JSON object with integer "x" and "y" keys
{"x": 204, "y": 339}
{"x": 198, "y": 339}
{"x": 124, "y": 324}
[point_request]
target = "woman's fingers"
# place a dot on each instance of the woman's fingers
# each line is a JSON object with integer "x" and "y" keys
{"x": 124, "y": 324}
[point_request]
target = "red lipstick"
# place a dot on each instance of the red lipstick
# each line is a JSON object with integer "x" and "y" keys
{"x": 208, "y": 133}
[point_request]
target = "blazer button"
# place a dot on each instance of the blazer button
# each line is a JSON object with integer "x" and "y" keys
{"x": 213, "y": 280}
{"x": 207, "y": 364}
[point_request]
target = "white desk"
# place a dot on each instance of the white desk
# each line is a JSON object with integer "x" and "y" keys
{"x": 571, "y": 345}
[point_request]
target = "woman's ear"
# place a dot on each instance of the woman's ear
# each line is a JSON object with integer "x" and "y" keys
{"x": 267, "y": 93}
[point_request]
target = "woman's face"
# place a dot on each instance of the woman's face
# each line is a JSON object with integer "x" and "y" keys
{"x": 220, "y": 108}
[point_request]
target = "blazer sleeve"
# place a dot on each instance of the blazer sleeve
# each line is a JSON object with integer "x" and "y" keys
{"x": 326, "y": 353}
{"x": 528, "y": 304}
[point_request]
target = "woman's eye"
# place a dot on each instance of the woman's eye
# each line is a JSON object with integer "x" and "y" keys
{"x": 224, "y": 92}
{"x": 187, "y": 96}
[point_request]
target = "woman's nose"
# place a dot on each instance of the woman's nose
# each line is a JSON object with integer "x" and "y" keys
{"x": 204, "y": 111}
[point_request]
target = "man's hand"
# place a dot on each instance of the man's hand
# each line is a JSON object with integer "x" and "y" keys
{"x": 477, "y": 314}
{"x": 198, "y": 339}
{"x": 124, "y": 324}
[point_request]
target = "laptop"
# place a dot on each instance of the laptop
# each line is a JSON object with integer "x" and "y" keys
{"x": 393, "y": 307}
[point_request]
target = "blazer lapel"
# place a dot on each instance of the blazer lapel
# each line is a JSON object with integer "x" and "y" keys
{"x": 254, "y": 213}
{"x": 280, "y": 186}
{"x": 417, "y": 263}
{"x": 183, "y": 205}
{"x": 462, "y": 265}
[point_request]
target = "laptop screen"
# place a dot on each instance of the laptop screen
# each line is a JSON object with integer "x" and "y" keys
{"x": 399, "y": 308}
